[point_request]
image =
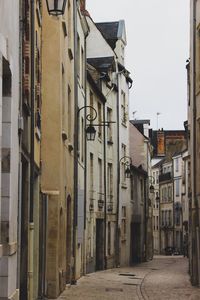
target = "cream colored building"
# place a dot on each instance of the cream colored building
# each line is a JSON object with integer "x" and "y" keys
{"x": 57, "y": 149}
{"x": 9, "y": 143}
{"x": 155, "y": 172}
{"x": 105, "y": 52}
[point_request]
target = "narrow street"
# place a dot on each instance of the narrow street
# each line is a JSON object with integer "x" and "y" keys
{"x": 166, "y": 277}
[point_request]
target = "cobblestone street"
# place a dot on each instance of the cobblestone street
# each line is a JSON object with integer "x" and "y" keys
{"x": 162, "y": 278}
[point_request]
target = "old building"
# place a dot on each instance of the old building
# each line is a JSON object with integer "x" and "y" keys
{"x": 10, "y": 161}
{"x": 105, "y": 52}
{"x": 194, "y": 141}
{"x": 142, "y": 213}
{"x": 57, "y": 156}
{"x": 166, "y": 207}
{"x": 178, "y": 207}
{"x": 167, "y": 144}
{"x": 155, "y": 172}
{"x": 30, "y": 142}
{"x": 185, "y": 201}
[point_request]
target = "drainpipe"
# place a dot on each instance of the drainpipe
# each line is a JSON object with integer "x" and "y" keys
{"x": 85, "y": 154}
{"x": 145, "y": 217}
{"x": 195, "y": 222}
{"x": 31, "y": 223}
{"x": 173, "y": 203}
{"x": 105, "y": 186}
{"x": 75, "y": 206}
{"x": 20, "y": 143}
{"x": 117, "y": 233}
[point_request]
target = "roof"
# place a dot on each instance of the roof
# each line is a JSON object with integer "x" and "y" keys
{"x": 113, "y": 31}
{"x": 135, "y": 122}
{"x": 103, "y": 64}
{"x": 159, "y": 163}
{"x": 139, "y": 170}
{"x": 109, "y": 31}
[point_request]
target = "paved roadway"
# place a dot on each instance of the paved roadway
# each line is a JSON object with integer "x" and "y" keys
{"x": 163, "y": 278}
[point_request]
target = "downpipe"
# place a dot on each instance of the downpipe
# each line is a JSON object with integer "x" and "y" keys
{"x": 31, "y": 223}
{"x": 30, "y": 261}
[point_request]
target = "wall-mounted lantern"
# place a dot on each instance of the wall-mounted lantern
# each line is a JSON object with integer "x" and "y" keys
{"x": 56, "y": 7}
{"x": 90, "y": 133}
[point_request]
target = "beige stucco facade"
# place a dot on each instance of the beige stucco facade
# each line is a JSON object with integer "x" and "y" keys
{"x": 57, "y": 146}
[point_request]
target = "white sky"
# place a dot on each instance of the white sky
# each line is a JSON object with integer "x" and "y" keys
{"x": 156, "y": 54}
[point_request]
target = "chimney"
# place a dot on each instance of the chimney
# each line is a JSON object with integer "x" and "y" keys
{"x": 83, "y": 8}
{"x": 82, "y": 5}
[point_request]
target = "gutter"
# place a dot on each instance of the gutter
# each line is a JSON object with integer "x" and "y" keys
{"x": 105, "y": 186}
{"x": 117, "y": 240}
{"x": 20, "y": 144}
{"x": 75, "y": 206}
{"x": 32, "y": 170}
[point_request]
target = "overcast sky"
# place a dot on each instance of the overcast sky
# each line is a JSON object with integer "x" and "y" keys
{"x": 156, "y": 54}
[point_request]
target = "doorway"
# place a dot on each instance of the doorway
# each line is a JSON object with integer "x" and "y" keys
{"x": 99, "y": 244}
{"x": 136, "y": 254}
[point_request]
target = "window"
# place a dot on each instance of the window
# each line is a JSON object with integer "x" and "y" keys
{"x": 154, "y": 223}
{"x": 176, "y": 164}
{"x": 122, "y": 53}
{"x": 109, "y": 128}
{"x": 109, "y": 238}
{"x": 163, "y": 222}
{"x": 169, "y": 193}
{"x": 157, "y": 224}
{"x": 177, "y": 217}
{"x": 157, "y": 177}
{"x": 91, "y": 173}
{"x": 100, "y": 175}
{"x": 82, "y": 67}
{"x": 177, "y": 187}
{"x": 91, "y": 104}
{"x": 123, "y": 109}
{"x": 157, "y": 200}
{"x": 78, "y": 56}
{"x": 99, "y": 120}
{"x": 170, "y": 217}
{"x": 26, "y": 64}
{"x": 123, "y": 229}
{"x": 123, "y": 164}
{"x": 69, "y": 125}
{"x": 110, "y": 181}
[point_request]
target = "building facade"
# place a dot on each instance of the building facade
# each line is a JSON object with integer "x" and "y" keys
{"x": 166, "y": 207}
{"x": 142, "y": 217}
{"x": 10, "y": 161}
{"x": 194, "y": 142}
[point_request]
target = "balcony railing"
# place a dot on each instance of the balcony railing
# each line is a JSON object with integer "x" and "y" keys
{"x": 165, "y": 177}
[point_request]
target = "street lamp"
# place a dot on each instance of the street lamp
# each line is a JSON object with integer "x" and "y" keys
{"x": 128, "y": 164}
{"x": 56, "y": 7}
{"x": 90, "y": 133}
{"x": 90, "y": 130}
{"x": 151, "y": 188}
